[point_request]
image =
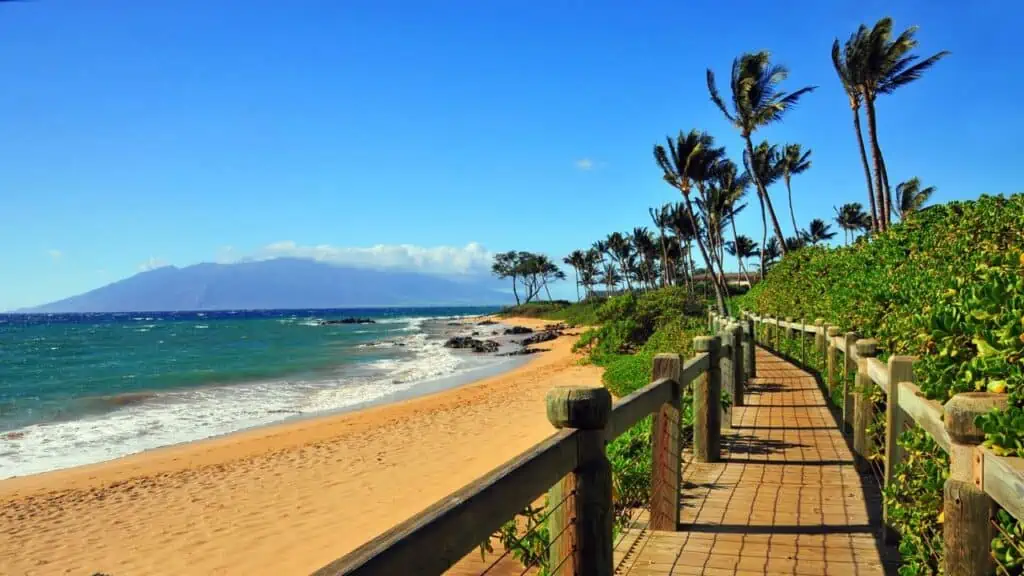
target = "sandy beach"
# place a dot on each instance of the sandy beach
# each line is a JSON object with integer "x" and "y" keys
{"x": 285, "y": 499}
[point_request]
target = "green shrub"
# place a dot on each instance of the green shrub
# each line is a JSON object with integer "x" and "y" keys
{"x": 574, "y": 314}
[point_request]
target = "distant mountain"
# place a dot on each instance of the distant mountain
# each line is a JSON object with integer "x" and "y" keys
{"x": 279, "y": 283}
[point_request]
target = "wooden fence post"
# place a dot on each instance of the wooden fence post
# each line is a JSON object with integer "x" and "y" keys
{"x": 833, "y": 359}
{"x": 727, "y": 362}
{"x": 802, "y": 336}
{"x": 863, "y": 410}
{"x": 848, "y": 346}
{"x": 711, "y": 320}
{"x": 778, "y": 338}
{"x": 588, "y": 538}
{"x": 967, "y": 531}
{"x": 707, "y": 393}
{"x": 819, "y": 343}
{"x": 749, "y": 349}
{"x": 901, "y": 369}
{"x": 789, "y": 329}
{"x": 666, "y": 472}
{"x": 738, "y": 368}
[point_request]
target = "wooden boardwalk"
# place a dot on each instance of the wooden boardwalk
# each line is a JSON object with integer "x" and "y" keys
{"x": 786, "y": 498}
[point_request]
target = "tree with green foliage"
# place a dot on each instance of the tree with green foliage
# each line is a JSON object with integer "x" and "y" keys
{"x": 883, "y": 64}
{"x": 851, "y": 218}
{"x": 756, "y": 103}
{"x": 577, "y": 260}
{"x": 661, "y": 217}
{"x": 794, "y": 161}
{"x": 847, "y": 63}
{"x": 910, "y": 197}
{"x": 687, "y": 156}
{"x": 766, "y": 165}
{"x": 506, "y": 265}
{"x": 818, "y": 231}
{"x": 741, "y": 248}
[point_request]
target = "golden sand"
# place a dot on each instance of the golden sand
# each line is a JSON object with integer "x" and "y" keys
{"x": 280, "y": 500}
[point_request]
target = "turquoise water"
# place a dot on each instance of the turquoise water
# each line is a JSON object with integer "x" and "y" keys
{"x": 85, "y": 388}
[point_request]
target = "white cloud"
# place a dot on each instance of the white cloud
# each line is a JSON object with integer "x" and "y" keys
{"x": 585, "y": 164}
{"x": 226, "y": 254}
{"x": 469, "y": 259}
{"x": 153, "y": 263}
{"x": 55, "y": 254}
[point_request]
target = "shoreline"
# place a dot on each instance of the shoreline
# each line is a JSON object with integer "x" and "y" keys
{"x": 403, "y": 363}
{"x": 283, "y": 498}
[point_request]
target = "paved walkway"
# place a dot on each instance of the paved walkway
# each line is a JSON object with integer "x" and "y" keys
{"x": 785, "y": 499}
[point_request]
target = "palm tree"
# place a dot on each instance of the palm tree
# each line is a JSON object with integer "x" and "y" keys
{"x": 910, "y": 197}
{"x": 611, "y": 277}
{"x": 576, "y": 259}
{"x": 619, "y": 249}
{"x": 771, "y": 253}
{"x": 847, "y": 67}
{"x": 742, "y": 247}
{"x": 643, "y": 244}
{"x": 590, "y": 273}
{"x": 766, "y": 164}
{"x": 885, "y": 64}
{"x": 794, "y": 161}
{"x": 682, "y": 227}
{"x": 851, "y": 218}
{"x": 757, "y": 102}
{"x": 661, "y": 218}
{"x": 818, "y": 232}
{"x": 688, "y": 153}
{"x": 734, "y": 188}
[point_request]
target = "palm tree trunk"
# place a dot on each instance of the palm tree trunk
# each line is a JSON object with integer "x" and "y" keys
{"x": 876, "y": 155}
{"x": 764, "y": 234}
{"x": 888, "y": 192}
{"x": 792, "y": 215}
{"x": 577, "y": 270}
{"x": 736, "y": 244}
{"x": 867, "y": 168}
{"x": 664, "y": 259}
{"x": 719, "y": 297}
{"x": 514, "y": 291}
{"x": 763, "y": 193}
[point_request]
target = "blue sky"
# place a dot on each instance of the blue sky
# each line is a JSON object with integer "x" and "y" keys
{"x": 134, "y": 134}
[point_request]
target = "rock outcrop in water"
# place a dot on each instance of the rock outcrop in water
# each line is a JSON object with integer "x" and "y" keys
{"x": 466, "y": 342}
{"x": 347, "y": 321}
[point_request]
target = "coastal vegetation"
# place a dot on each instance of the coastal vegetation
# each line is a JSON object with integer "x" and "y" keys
{"x": 946, "y": 284}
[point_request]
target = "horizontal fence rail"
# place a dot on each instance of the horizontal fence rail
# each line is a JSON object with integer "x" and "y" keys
{"x": 978, "y": 478}
{"x": 572, "y": 468}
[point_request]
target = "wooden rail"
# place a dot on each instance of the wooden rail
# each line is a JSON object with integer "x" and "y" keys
{"x": 572, "y": 467}
{"x": 978, "y": 478}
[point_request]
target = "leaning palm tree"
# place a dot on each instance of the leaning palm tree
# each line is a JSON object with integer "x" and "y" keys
{"x": 733, "y": 187}
{"x": 847, "y": 64}
{"x": 686, "y": 152}
{"x": 818, "y": 232}
{"x": 757, "y": 102}
{"x": 741, "y": 248}
{"x": 767, "y": 167}
{"x": 684, "y": 234}
{"x": 662, "y": 218}
{"x": 794, "y": 161}
{"x": 577, "y": 260}
{"x": 910, "y": 197}
{"x": 885, "y": 64}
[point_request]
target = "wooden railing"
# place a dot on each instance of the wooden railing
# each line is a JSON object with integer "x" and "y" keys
{"x": 978, "y": 478}
{"x": 573, "y": 468}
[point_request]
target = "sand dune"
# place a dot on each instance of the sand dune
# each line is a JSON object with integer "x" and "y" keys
{"x": 280, "y": 500}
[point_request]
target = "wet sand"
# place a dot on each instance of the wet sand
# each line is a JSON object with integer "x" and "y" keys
{"x": 284, "y": 499}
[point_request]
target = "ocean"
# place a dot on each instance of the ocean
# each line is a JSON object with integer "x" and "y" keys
{"x": 84, "y": 388}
